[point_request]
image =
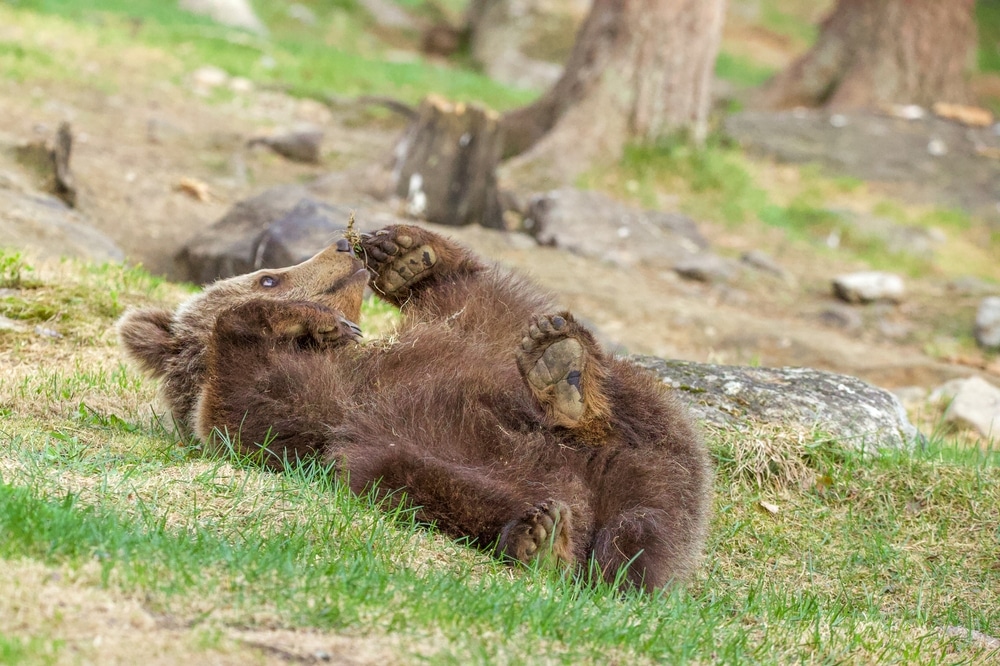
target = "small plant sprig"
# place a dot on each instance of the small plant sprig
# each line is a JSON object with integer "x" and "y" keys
{"x": 15, "y": 273}
{"x": 353, "y": 236}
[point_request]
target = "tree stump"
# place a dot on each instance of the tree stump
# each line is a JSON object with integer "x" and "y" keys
{"x": 446, "y": 164}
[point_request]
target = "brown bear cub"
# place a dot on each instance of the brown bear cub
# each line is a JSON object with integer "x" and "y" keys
{"x": 498, "y": 418}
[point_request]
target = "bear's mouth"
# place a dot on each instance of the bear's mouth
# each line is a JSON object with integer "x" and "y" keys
{"x": 360, "y": 275}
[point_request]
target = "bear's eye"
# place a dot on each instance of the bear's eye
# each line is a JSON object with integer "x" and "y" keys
{"x": 269, "y": 281}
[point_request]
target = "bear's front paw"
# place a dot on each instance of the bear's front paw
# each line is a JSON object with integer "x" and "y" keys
{"x": 541, "y": 533}
{"x": 303, "y": 323}
{"x": 326, "y": 336}
{"x": 399, "y": 257}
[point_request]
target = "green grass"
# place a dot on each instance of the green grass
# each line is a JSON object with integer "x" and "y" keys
{"x": 790, "y": 24}
{"x": 719, "y": 183}
{"x": 335, "y": 57}
{"x": 741, "y": 71}
{"x": 988, "y": 23}
{"x": 868, "y": 558}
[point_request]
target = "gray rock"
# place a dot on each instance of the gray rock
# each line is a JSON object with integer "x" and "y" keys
{"x": 46, "y": 227}
{"x": 301, "y": 233}
{"x": 762, "y": 261}
{"x": 234, "y": 13}
{"x": 302, "y": 144}
{"x": 869, "y": 286}
{"x": 842, "y": 317}
{"x": 593, "y": 225}
{"x": 913, "y": 240}
{"x": 852, "y": 411}
{"x": 706, "y": 267}
{"x": 968, "y": 285}
{"x": 976, "y": 404}
{"x": 988, "y": 323}
{"x": 877, "y": 147}
{"x": 228, "y": 246}
{"x": 278, "y": 227}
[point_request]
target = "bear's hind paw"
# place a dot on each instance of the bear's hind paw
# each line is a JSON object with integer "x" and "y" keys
{"x": 543, "y": 533}
{"x": 558, "y": 359}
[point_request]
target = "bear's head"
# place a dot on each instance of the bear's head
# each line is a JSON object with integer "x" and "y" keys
{"x": 171, "y": 346}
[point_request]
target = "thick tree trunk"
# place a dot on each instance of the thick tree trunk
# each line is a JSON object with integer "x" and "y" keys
{"x": 639, "y": 70}
{"x": 873, "y": 52}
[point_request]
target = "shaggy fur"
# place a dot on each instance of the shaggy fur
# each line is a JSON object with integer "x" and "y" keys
{"x": 500, "y": 418}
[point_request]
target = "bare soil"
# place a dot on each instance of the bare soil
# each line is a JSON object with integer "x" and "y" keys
{"x": 137, "y": 140}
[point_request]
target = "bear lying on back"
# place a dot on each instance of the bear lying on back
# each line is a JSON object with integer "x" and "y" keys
{"x": 500, "y": 418}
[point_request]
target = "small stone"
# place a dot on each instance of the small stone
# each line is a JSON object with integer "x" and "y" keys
{"x": 239, "y": 84}
{"x": 47, "y": 332}
{"x": 763, "y": 262}
{"x": 301, "y": 13}
{"x": 869, "y": 286}
{"x": 705, "y": 267}
{"x": 842, "y": 317}
{"x": 977, "y": 405}
{"x": 988, "y": 323}
{"x": 235, "y": 13}
{"x": 209, "y": 77}
{"x": 303, "y": 144}
{"x": 937, "y": 148}
{"x": 838, "y": 120}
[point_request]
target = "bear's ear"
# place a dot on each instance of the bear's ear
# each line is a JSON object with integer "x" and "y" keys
{"x": 147, "y": 338}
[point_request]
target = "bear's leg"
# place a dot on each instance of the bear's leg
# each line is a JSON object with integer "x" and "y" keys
{"x": 303, "y": 324}
{"x": 466, "y": 502}
{"x": 564, "y": 367}
{"x": 263, "y": 385}
{"x": 637, "y": 539}
{"x": 405, "y": 259}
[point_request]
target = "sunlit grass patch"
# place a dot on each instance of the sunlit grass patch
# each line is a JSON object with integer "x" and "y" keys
{"x": 335, "y": 57}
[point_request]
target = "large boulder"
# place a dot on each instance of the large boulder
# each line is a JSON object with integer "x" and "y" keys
{"x": 45, "y": 227}
{"x": 854, "y": 412}
{"x": 281, "y": 226}
{"x": 935, "y": 159}
{"x": 227, "y": 247}
{"x": 595, "y": 226}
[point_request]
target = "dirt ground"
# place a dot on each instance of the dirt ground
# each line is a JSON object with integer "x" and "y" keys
{"x": 136, "y": 143}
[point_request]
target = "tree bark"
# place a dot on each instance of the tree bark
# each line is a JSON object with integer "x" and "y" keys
{"x": 446, "y": 164}
{"x": 876, "y": 52}
{"x": 639, "y": 70}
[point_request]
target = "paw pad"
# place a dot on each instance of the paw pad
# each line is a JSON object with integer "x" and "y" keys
{"x": 553, "y": 364}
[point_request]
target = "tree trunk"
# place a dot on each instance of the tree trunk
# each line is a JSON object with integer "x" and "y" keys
{"x": 874, "y": 52}
{"x": 446, "y": 164}
{"x": 639, "y": 70}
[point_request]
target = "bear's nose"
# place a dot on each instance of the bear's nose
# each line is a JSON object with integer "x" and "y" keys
{"x": 343, "y": 245}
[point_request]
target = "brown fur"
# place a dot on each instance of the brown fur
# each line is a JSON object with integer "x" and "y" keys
{"x": 456, "y": 412}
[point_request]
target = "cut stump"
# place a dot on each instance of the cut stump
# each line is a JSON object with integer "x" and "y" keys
{"x": 446, "y": 164}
